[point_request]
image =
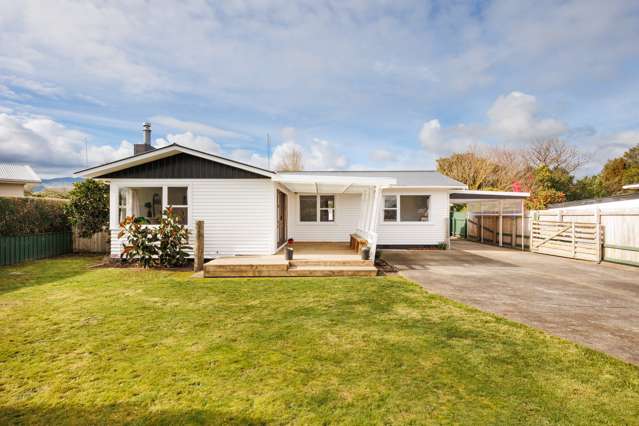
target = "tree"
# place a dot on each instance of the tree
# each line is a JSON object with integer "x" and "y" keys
{"x": 612, "y": 176}
{"x": 470, "y": 168}
{"x": 556, "y": 154}
{"x": 291, "y": 160}
{"x": 586, "y": 187}
{"x": 512, "y": 168}
{"x": 544, "y": 188}
{"x": 88, "y": 207}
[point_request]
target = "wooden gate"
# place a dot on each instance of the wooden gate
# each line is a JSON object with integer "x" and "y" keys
{"x": 577, "y": 240}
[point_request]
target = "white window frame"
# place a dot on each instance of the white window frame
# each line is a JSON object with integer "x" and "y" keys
{"x": 320, "y": 208}
{"x": 396, "y": 209}
{"x": 132, "y": 185}
{"x": 124, "y": 206}
{"x": 317, "y": 220}
{"x": 165, "y": 195}
{"x": 398, "y": 220}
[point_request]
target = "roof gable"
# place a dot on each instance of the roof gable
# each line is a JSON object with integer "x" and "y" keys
{"x": 182, "y": 166}
{"x": 176, "y": 162}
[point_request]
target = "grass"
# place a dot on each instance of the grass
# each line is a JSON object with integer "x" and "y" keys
{"x": 80, "y": 345}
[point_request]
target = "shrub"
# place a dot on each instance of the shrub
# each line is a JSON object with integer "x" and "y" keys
{"x": 442, "y": 245}
{"x": 141, "y": 242}
{"x": 25, "y": 216}
{"x": 174, "y": 239}
{"x": 151, "y": 245}
{"x": 88, "y": 208}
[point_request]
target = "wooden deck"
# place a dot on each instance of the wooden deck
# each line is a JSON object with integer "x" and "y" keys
{"x": 309, "y": 260}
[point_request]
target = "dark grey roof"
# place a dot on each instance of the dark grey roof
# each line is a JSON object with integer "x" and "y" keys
{"x": 594, "y": 201}
{"x": 404, "y": 177}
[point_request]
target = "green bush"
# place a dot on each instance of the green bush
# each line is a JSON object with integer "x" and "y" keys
{"x": 141, "y": 244}
{"x": 88, "y": 207}
{"x": 152, "y": 245}
{"x": 174, "y": 239}
{"x": 25, "y": 216}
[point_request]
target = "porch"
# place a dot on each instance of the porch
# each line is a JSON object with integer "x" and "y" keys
{"x": 310, "y": 259}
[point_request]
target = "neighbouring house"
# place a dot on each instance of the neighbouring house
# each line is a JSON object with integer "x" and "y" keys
{"x": 14, "y": 177}
{"x": 249, "y": 210}
{"x": 631, "y": 186}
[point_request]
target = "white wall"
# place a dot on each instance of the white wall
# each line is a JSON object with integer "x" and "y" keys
{"x": 347, "y": 210}
{"x": 238, "y": 214}
{"x": 417, "y": 233}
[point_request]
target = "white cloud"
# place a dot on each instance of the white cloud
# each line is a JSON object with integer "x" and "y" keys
{"x": 33, "y": 86}
{"x": 48, "y": 145}
{"x": 249, "y": 157}
{"x": 195, "y": 127}
{"x": 190, "y": 140}
{"x": 430, "y": 136}
{"x": 319, "y": 154}
{"x": 512, "y": 119}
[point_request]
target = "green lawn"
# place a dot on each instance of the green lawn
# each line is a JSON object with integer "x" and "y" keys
{"x": 83, "y": 345}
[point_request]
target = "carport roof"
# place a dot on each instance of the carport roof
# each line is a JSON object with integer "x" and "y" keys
{"x": 475, "y": 195}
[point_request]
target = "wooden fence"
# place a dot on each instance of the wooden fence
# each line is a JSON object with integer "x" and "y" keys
{"x": 485, "y": 229}
{"x": 98, "y": 243}
{"x": 20, "y": 248}
{"x": 577, "y": 240}
{"x": 620, "y": 230}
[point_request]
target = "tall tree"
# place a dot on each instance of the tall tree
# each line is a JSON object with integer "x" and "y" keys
{"x": 470, "y": 167}
{"x": 612, "y": 176}
{"x": 88, "y": 207}
{"x": 291, "y": 160}
{"x": 556, "y": 154}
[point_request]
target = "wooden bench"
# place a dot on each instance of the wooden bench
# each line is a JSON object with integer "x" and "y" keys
{"x": 357, "y": 242}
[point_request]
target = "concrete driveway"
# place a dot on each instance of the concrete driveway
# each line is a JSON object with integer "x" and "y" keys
{"x": 595, "y": 305}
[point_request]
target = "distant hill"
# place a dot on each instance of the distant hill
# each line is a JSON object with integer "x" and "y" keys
{"x": 62, "y": 182}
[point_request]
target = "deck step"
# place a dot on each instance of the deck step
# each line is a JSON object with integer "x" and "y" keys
{"x": 332, "y": 271}
{"x": 331, "y": 262}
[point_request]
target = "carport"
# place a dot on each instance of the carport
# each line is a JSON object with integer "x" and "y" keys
{"x": 493, "y": 215}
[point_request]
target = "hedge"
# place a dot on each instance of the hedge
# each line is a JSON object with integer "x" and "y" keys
{"x": 25, "y": 216}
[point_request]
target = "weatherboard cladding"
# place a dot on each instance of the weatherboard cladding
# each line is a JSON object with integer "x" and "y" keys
{"x": 182, "y": 166}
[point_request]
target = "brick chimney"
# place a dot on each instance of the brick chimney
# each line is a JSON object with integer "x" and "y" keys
{"x": 141, "y": 148}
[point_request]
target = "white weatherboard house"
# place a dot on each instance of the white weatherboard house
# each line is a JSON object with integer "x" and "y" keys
{"x": 248, "y": 210}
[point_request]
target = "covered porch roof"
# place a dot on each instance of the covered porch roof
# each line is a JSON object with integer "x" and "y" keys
{"x": 470, "y": 196}
{"x": 322, "y": 184}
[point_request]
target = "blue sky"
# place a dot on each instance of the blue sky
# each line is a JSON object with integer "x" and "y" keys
{"x": 364, "y": 84}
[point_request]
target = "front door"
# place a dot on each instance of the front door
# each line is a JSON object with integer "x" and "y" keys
{"x": 281, "y": 218}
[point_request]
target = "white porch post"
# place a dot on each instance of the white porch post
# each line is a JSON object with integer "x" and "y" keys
{"x": 501, "y": 223}
{"x": 114, "y": 210}
{"x": 374, "y": 219}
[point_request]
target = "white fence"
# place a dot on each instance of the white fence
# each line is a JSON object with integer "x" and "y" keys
{"x": 620, "y": 230}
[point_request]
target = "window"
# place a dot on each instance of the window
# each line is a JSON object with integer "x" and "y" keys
{"x": 147, "y": 203}
{"x": 177, "y": 198}
{"x": 312, "y": 205}
{"x": 122, "y": 204}
{"x": 327, "y": 208}
{"x": 308, "y": 208}
{"x": 390, "y": 208}
{"x": 413, "y": 208}
{"x": 410, "y": 208}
